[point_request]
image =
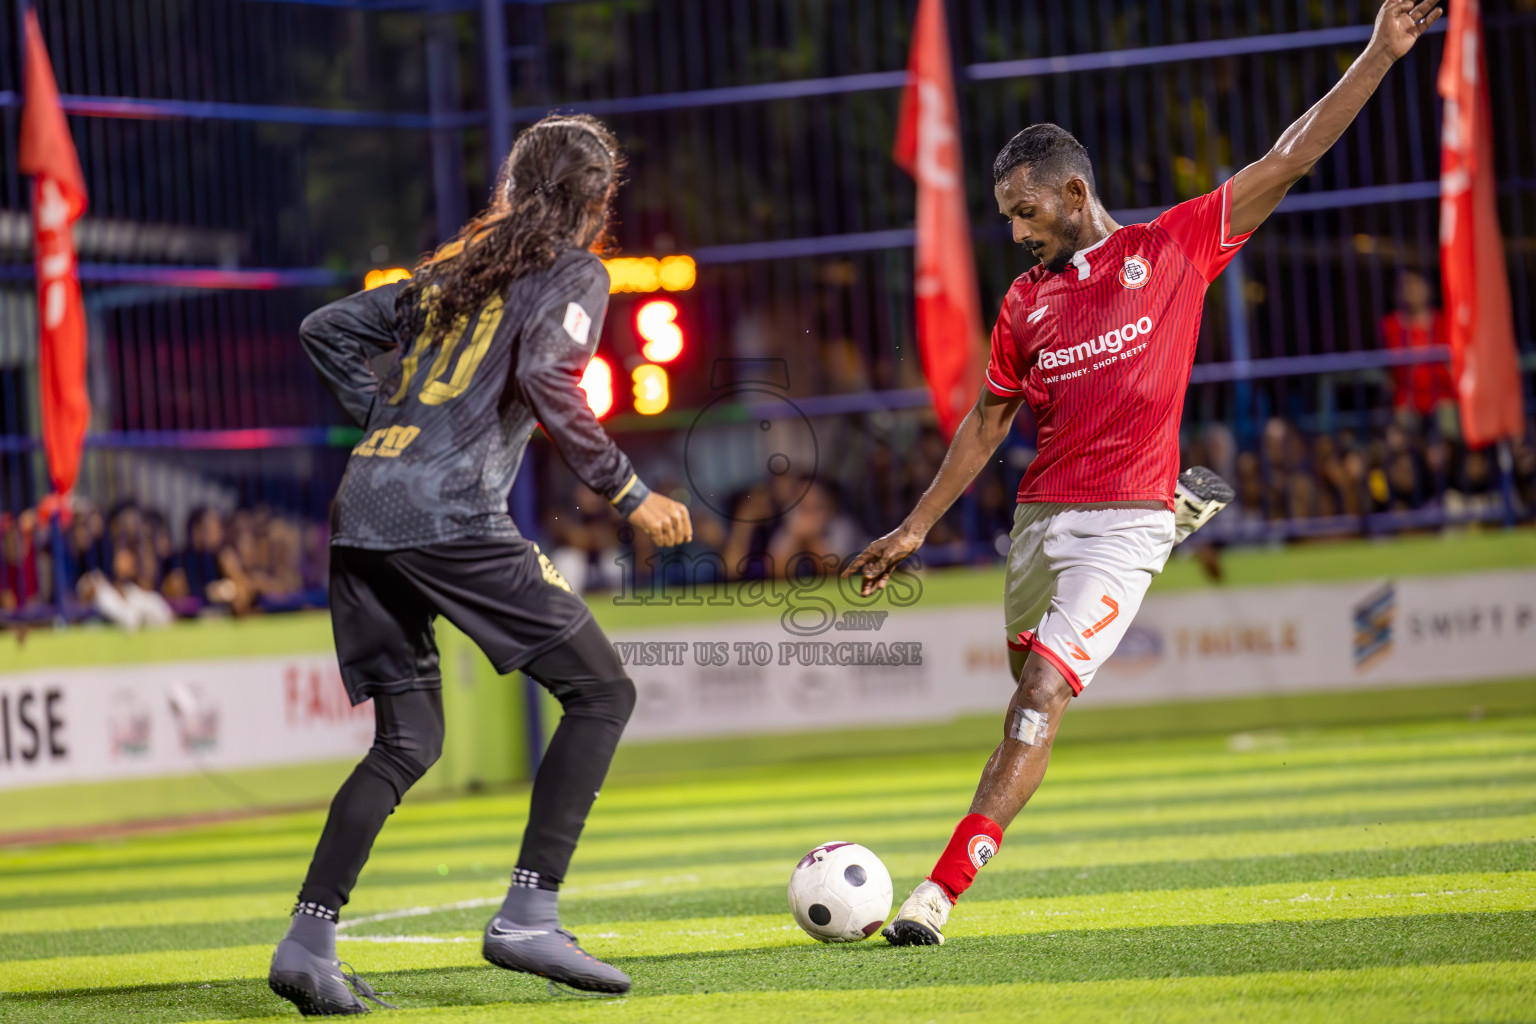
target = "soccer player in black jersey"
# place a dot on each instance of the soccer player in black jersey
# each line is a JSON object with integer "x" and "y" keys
{"x": 489, "y": 338}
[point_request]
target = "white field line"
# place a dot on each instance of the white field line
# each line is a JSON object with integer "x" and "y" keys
{"x": 485, "y": 901}
{"x": 392, "y": 915}
{"x": 421, "y": 939}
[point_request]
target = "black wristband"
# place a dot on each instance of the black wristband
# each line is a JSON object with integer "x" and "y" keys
{"x": 630, "y": 495}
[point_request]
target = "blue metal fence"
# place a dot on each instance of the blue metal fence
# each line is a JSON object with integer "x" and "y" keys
{"x": 248, "y": 159}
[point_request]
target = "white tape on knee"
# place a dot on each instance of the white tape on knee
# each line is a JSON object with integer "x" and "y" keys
{"x": 1030, "y": 726}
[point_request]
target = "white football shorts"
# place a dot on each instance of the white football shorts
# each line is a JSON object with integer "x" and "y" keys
{"x": 1076, "y": 577}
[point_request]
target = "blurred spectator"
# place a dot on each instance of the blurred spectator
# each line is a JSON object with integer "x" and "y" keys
{"x": 844, "y": 367}
{"x": 1418, "y": 389}
{"x": 1401, "y": 465}
{"x": 157, "y": 551}
{"x": 119, "y": 599}
{"x": 210, "y": 567}
{"x": 1250, "y": 487}
{"x": 883, "y": 489}
{"x": 814, "y": 525}
{"x": 585, "y": 538}
{"x": 315, "y": 557}
{"x": 755, "y": 517}
{"x": 995, "y": 504}
{"x": 85, "y": 542}
{"x": 1288, "y": 487}
{"x": 266, "y": 553}
{"x": 18, "y": 566}
{"x": 1220, "y": 449}
{"x": 283, "y": 574}
{"x": 1341, "y": 477}
{"x": 947, "y": 538}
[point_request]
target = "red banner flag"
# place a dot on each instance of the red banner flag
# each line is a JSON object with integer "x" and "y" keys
{"x": 949, "y": 332}
{"x": 1484, "y": 362}
{"x": 58, "y": 200}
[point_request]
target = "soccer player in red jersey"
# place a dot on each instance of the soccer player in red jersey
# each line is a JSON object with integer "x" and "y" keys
{"x": 1099, "y": 339}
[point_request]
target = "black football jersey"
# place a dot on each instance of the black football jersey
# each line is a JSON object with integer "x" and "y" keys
{"x": 446, "y": 427}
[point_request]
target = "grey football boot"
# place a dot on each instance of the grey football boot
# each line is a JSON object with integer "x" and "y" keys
{"x": 306, "y": 972}
{"x": 526, "y": 936}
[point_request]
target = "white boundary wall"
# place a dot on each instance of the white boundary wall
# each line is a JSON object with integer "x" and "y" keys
{"x": 92, "y": 724}
{"x": 1204, "y": 644}
{"x": 175, "y": 718}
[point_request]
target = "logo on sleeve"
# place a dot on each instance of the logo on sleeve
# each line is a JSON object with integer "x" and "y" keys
{"x": 577, "y": 323}
{"x": 981, "y": 849}
{"x": 1135, "y": 272}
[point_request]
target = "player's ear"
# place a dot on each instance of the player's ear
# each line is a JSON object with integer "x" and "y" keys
{"x": 1075, "y": 194}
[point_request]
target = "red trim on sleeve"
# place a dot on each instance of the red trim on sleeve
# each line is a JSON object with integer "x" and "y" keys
{"x": 1028, "y": 639}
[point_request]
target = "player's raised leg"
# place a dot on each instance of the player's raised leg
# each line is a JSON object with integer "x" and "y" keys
{"x": 1197, "y": 497}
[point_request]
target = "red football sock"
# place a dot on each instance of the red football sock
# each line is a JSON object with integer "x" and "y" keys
{"x": 975, "y": 842}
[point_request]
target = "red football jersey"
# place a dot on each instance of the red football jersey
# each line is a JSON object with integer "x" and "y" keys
{"x": 1102, "y": 353}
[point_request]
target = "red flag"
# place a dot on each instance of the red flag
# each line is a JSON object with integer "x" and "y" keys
{"x": 1484, "y": 362}
{"x": 58, "y": 200}
{"x": 949, "y": 332}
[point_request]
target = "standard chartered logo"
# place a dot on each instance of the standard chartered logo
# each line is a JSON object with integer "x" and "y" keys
{"x": 1112, "y": 340}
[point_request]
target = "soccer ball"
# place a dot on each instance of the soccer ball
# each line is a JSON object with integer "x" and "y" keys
{"x": 840, "y": 892}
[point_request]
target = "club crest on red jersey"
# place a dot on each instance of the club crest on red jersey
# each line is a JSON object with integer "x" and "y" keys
{"x": 1135, "y": 272}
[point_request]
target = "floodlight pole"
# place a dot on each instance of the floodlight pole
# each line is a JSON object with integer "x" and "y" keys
{"x": 498, "y": 143}
{"x": 447, "y": 143}
{"x": 498, "y": 106}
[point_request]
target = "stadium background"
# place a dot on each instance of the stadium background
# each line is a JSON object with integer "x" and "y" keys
{"x": 248, "y": 160}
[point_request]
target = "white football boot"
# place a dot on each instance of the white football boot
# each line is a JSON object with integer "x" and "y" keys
{"x": 921, "y": 919}
{"x": 1198, "y": 496}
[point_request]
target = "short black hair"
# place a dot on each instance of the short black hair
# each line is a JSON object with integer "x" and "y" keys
{"x": 1052, "y": 154}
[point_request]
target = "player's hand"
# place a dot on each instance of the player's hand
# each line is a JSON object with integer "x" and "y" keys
{"x": 879, "y": 559}
{"x": 665, "y": 521}
{"x": 1399, "y": 24}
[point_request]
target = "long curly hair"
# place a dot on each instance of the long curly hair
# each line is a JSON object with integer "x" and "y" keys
{"x": 554, "y": 192}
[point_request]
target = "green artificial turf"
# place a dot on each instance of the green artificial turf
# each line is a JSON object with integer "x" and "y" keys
{"x": 1352, "y": 872}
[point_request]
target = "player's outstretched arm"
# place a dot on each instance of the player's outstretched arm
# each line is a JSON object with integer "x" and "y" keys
{"x": 1258, "y": 188}
{"x": 978, "y": 436}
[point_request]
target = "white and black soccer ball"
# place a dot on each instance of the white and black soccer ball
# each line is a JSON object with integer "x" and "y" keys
{"x": 840, "y": 892}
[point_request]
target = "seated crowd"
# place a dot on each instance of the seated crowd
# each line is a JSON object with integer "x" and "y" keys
{"x": 125, "y": 565}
